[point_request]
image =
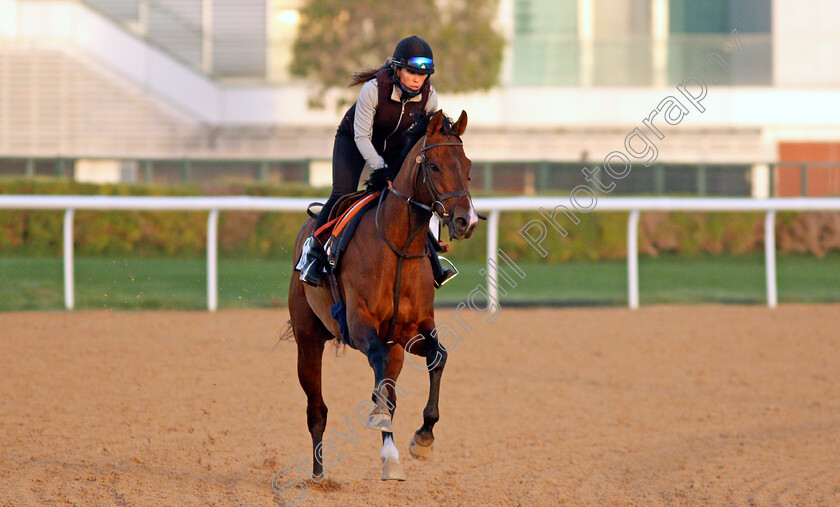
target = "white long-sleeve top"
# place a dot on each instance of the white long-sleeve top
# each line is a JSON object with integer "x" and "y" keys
{"x": 366, "y": 109}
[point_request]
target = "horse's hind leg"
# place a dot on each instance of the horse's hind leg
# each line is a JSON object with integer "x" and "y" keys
{"x": 421, "y": 443}
{"x": 310, "y": 354}
{"x": 310, "y": 335}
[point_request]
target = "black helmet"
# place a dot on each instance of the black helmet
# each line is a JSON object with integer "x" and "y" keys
{"x": 414, "y": 54}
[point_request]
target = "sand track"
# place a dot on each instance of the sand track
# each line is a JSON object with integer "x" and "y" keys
{"x": 686, "y": 405}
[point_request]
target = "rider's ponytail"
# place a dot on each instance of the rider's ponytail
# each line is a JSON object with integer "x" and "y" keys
{"x": 363, "y": 76}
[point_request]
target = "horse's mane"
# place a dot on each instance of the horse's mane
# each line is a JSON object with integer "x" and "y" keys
{"x": 379, "y": 178}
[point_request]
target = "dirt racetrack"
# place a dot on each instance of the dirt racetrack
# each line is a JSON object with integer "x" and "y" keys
{"x": 702, "y": 405}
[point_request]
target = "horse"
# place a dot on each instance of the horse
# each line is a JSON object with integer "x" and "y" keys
{"x": 387, "y": 285}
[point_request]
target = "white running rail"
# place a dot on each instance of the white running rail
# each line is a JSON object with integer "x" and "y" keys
{"x": 494, "y": 206}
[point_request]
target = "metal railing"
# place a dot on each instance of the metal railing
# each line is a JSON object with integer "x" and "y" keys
{"x": 786, "y": 179}
{"x": 495, "y": 206}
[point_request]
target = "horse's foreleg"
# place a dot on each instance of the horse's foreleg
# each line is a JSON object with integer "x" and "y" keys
{"x": 367, "y": 341}
{"x": 386, "y": 365}
{"x": 421, "y": 443}
{"x": 391, "y": 468}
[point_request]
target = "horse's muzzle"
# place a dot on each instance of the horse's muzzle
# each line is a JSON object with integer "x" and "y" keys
{"x": 464, "y": 220}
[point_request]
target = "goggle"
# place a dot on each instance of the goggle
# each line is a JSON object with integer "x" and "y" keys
{"x": 420, "y": 62}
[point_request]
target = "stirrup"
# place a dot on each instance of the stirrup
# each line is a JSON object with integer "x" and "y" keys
{"x": 448, "y": 274}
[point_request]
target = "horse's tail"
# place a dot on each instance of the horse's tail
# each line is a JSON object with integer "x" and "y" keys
{"x": 286, "y": 335}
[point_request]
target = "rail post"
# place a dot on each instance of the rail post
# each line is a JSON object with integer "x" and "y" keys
{"x": 186, "y": 170}
{"x": 487, "y": 179}
{"x": 263, "y": 171}
{"x": 770, "y": 257}
{"x": 492, "y": 255}
{"x": 659, "y": 179}
{"x": 148, "y": 169}
{"x": 633, "y": 259}
{"x": 803, "y": 179}
{"x": 69, "y": 301}
{"x": 701, "y": 178}
{"x": 212, "y": 255}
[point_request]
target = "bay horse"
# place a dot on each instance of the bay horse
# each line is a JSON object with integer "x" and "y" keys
{"x": 383, "y": 268}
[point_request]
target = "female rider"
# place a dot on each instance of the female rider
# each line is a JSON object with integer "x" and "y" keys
{"x": 370, "y": 132}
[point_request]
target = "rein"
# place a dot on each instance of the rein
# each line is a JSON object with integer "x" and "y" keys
{"x": 402, "y": 255}
{"x": 400, "y": 252}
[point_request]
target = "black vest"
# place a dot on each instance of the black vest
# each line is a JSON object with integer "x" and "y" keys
{"x": 391, "y": 119}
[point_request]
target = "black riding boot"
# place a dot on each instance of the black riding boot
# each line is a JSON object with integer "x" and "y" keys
{"x": 440, "y": 274}
{"x": 312, "y": 261}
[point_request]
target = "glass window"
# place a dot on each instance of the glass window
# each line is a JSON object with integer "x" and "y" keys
{"x": 699, "y": 28}
{"x": 545, "y": 44}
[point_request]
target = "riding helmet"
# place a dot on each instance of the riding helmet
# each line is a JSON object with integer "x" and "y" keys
{"x": 414, "y": 54}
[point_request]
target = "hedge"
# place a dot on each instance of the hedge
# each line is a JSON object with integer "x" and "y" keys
{"x": 271, "y": 235}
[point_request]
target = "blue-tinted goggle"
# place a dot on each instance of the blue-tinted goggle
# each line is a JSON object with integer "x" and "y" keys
{"x": 420, "y": 62}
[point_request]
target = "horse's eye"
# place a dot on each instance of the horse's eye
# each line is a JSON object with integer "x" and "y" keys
{"x": 433, "y": 167}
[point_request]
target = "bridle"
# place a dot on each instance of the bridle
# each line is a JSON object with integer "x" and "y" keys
{"x": 444, "y": 216}
{"x": 437, "y": 199}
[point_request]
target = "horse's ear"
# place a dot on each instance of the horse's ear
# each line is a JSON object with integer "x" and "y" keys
{"x": 435, "y": 123}
{"x": 460, "y": 125}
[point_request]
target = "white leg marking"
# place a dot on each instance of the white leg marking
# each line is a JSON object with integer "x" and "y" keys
{"x": 389, "y": 450}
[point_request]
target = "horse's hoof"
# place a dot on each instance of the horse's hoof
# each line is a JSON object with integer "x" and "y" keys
{"x": 392, "y": 470}
{"x": 422, "y": 452}
{"x": 379, "y": 421}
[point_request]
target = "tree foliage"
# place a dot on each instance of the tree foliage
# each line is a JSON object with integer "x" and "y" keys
{"x": 339, "y": 37}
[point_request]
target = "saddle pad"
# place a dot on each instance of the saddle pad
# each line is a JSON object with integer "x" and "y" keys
{"x": 343, "y": 230}
{"x": 352, "y": 212}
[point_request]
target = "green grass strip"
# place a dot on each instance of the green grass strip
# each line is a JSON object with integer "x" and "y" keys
{"x": 36, "y": 283}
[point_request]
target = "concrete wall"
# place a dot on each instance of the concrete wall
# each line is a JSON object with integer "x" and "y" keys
{"x": 8, "y": 19}
{"x": 806, "y": 42}
{"x": 71, "y": 24}
{"x": 67, "y": 23}
{"x": 506, "y": 123}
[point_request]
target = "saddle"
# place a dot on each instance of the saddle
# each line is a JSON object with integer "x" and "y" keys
{"x": 342, "y": 222}
{"x": 339, "y": 208}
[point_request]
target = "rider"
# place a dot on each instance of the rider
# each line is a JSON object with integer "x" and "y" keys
{"x": 370, "y": 132}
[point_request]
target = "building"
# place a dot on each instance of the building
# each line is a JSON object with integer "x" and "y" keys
{"x": 172, "y": 89}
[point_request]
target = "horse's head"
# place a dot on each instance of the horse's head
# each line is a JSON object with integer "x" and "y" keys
{"x": 444, "y": 174}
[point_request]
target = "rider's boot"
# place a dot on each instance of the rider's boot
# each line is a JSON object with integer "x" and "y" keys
{"x": 441, "y": 274}
{"x": 312, "y": 260}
